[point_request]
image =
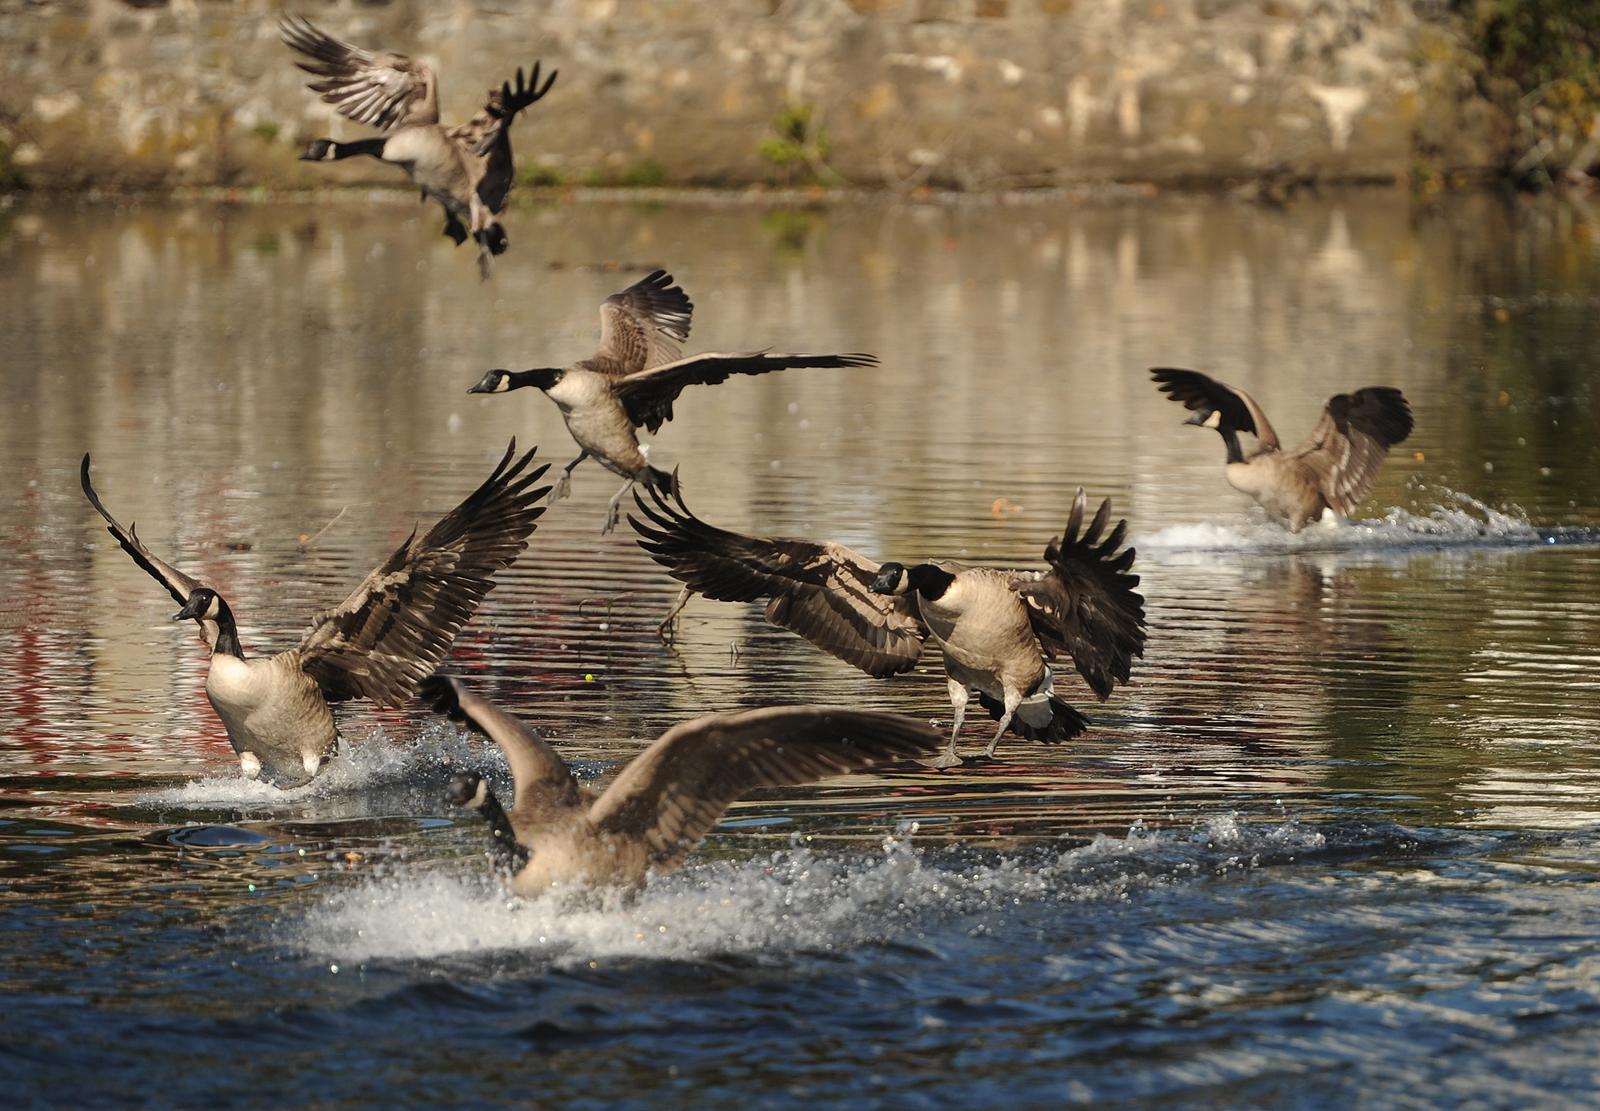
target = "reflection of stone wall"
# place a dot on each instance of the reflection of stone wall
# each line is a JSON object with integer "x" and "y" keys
{"x": 974, "y": 93}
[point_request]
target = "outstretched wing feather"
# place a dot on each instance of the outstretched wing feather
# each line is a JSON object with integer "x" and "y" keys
{"x": 1085, "y": 606}
{"x": 675, "y": 791}
{"x": 648, "y": 394}
{"x": 396, "y": 626}
{"x": 818, "y": 590}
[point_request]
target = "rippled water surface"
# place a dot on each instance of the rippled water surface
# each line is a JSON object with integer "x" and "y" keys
{"x": 1336, "y": 844}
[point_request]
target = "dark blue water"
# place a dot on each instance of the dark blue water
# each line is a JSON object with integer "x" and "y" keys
{"x": 1334, "y": 846}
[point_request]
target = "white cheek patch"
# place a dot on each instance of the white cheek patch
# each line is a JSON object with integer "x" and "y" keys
{"x": 480, "y": 795}
{"x": 502, "y": 384}
{"x": 311, "y": 762}
{"x": 214, "y": 608}
{"x": 249, "y": 764}
{"x": 1215, "y": 419}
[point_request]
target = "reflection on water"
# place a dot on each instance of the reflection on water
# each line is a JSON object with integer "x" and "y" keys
{"x": 1339, "y": 745}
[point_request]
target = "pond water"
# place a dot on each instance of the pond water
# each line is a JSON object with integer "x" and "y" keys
{"x": 1338, "y": 842}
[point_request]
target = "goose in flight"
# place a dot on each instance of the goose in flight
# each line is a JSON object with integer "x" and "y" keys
{"x": 467, "y": 169}
{"x": 389, "y": 634}
{"x": 634, "y": 378}
{"x": 1331, "y": 471}
{"x": 998, "y": 631}
{"x": 560, "y": 835}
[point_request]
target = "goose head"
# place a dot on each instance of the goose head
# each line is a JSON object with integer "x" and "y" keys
{"x": 502, "y": 381}
{"x": 203, "y": 604}
{"x": 891, "y": 579}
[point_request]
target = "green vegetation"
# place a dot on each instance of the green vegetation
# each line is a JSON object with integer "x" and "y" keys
{"x": 790, "y": 228}
{"x": 646, "y": 173}
{"x": 266, "y": 131}
{"x": 1542, "y": 66}
{"x": 796, "y": 144}
{"x": 540, "y": 175}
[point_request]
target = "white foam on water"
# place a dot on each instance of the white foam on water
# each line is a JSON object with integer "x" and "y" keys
{"x": 798, "y": 897}
{"x": 372, "y": 762}
{"x": 1459, "y": 519}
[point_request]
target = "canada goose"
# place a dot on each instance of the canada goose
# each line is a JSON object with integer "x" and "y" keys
{"x": 467, "y": 169}
{"x": 668, "y": 798}
{"x": 997, "y": 630}
{"x": 634, "y": 378}
{"x": 1332, "y": 470}
{"x": 378, "y": 643}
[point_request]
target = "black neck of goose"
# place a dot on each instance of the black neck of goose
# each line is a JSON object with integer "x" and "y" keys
{"x": 509, "y": 855}
{"x": 227, "y": 632}
{"x": 929, "y": 581}
{"x": 542, "y": 377}
{"x": 1231, "y": 439}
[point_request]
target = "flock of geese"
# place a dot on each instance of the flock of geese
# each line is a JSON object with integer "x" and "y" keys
{"x": 998, "y": 632}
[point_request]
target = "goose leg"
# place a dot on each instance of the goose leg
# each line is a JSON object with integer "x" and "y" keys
{"x": 1013, "y": 700}
{"x": 614, "y": 508}
{"x": 958, "y": 703}
{"x": 563, "y": 485}
{"x": 668, "y": 629}
{"x": 479, "y": 214}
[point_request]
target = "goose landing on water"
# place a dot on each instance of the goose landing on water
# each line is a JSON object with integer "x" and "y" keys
{"x": 997, "y": 630}
{"x": 467, "y": 169}
{"x": 559, "y": 835}
{"x": 1330, "y": 472}
{"x": 634, "y": 378}
{"x": 378, "y": 643}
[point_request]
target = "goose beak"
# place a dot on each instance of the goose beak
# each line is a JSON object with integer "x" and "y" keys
{"x": 886, "y": 581}
{"x": 191, "y": 609}
{"x": 487, "y": 383}
{"x": 1199, "y": 418}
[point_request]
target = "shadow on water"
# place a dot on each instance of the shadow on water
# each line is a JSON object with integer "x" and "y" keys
{"x": 1351, "y": 790}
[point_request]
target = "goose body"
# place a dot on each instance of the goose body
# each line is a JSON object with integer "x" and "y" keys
{"x": 387, "y": 635}
{"x": 1328, "y": 473}
{"x": 997, "y": 631}
{"x": 467, "y": 169}
{"x": 634, "y": 378}
{"x": 559, "y": 836}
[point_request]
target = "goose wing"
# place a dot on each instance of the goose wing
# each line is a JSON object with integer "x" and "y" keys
{"x": 1351, "y": 440}
{"x": 377, "y": 88}
{"x": 642, "y": 325}
{"x": 648, "y": 394}
{"x": 179, "y": 585}
{"x": 1085, "y": 605}
{"x": 500, "y": 109}
{"x": 674, "y": 791}
{"x": 1202, "y": 394}
{"x": 398, "y": 624}
{"x": 541, "y": 777}
{"x": 819, "y": 590}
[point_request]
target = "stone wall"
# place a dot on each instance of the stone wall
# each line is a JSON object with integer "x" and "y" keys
{"x": 969, "y": 93}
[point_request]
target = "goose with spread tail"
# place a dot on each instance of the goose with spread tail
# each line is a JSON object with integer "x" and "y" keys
{"x": 467, "y": 169}
{"x": 634, "y": 378}
{"x": 998, "y": 631}
{"x": 1328, "y": 474}
{"x": 388, "y": 635}
{"x": 559, "y": 835}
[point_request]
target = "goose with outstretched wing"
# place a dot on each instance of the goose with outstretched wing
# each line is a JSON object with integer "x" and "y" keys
{"x": 634, "y": 378}
{"x": 390, "y": 633}
{"x": 997, "y": 631}
{"x": 559, "y": 835}
{"x": 468, "y": 169}
{"x": 1327, "y": 475}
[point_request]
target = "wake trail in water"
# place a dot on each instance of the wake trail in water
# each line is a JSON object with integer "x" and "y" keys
{"x": 1460, "y": 521}
{"x": 796, "y": 898}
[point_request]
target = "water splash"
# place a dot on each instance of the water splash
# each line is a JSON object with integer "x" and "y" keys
{"x": 1456, "y": 520}
{"x": 796, "y": 898}
{"x": 373, "y": 762}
